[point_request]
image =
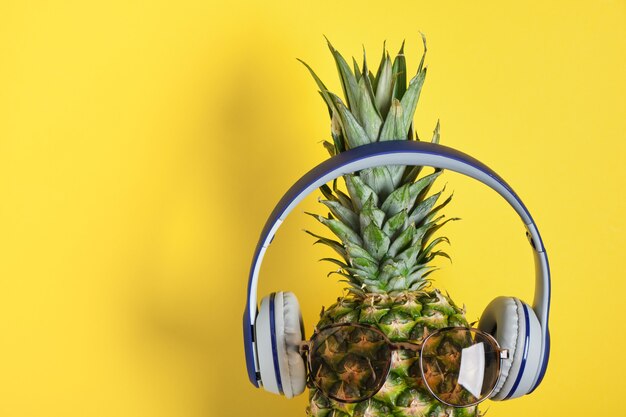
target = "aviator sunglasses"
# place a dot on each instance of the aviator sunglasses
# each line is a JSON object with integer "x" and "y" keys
{"x": 350, "y": 362}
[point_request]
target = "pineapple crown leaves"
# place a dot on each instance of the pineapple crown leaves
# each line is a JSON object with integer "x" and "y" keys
{"x": 386, "y": 248}
{"x": 386, "y": 221}
{"x": 377, "y": 107}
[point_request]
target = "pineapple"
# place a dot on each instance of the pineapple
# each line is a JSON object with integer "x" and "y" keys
{"x": 386, "y": 226}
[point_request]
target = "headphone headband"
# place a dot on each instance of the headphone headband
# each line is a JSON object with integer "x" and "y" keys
{"x": 399, "y": 152}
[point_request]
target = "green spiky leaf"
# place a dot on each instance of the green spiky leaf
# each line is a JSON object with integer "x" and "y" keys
{"x": 404, "y": 197}
{"x": 399, "y": 74}
{"x": 395, "y": 224}
{"x": 375, "y": 78}
{"x": 420, "y": 232}
{"x": 423, "y": 208}
{"x": 356, "y": 251}
{"x": 367, "y": 267}
{"x": 410, "y": 99}
{"x": 370, "y": 214}
{"x": 336, "y": 131}
{"x": 422, "y": 186}
{"x": 341, "y": 196}
{"x": 379, "y": 179}
{"x": 367, "y": 79}
{"x": 392, "y": 130}
{"x": 409, "y": 255}
{"x": 435, "y": 242}
{"x": 436, "y": 209}
{"x": 348, "y": 80}
{"x": 417, "y": 275}
{"x": 323, "y": 90}
{"x": 411, "y": 96}
{"x": 376, "y": 242}
{"x": 436, "y": 133}
{"x": 436, "y": 226}
{"x": 411, "y": 173}
{"x": 330, "y": 148}
{"x": 354, "y": 133}
{"x": 336, "y": 262}
{"x": 333, "y": 244}
{"x": 357, "y": 70}
{"x": 421, "y": 65}
{"x": 384, "y": 86}
{"x": 326, "y": 192}
{"x": 345, "y": 215}
{"x": 368, "y": 113}
{"x": 394, "y": 123}
{"x": 341, "y": 230}
{"x": 359, "y": 192}
{"x": 402, "y": 241}
{"x": 398, "y": 200}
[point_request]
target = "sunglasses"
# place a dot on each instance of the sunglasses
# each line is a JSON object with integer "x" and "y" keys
{"x": 350, "y": 362}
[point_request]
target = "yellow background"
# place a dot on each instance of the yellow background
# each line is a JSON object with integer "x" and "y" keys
{"x": 143, "y": 144}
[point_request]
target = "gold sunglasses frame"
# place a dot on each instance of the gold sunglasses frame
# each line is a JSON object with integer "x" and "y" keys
{"x": 305, "y": 350}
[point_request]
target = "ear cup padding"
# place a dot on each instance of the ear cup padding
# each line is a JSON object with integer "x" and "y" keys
{"x": 516, "y": 328}
{"x": 289, "y": 336}
{"x": 278, "y": 333}
{"x": 500, "y": 319}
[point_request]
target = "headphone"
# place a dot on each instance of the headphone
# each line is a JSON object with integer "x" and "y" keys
{"x": 273, "y": 333}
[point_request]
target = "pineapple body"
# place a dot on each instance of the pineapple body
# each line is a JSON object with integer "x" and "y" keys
{"x": 407, "y": 316}
{"x": 386, "y": 221}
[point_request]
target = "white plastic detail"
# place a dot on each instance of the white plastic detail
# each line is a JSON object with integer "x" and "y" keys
{"x": 257, "y": 267}
{"x": 255, "y": 281}
{"x": 256, "y": 357}
{"x": 272, "y": 232}
{"x": 472, "y": 372}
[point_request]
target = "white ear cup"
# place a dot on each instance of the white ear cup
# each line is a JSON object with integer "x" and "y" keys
{"x": 516, "y": 328}
{"x": 278, "y": 333}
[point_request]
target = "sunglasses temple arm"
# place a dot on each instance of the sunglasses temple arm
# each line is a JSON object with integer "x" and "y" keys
{"x": 304, "y": 347}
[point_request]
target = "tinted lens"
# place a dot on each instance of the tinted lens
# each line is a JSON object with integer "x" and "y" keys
{"x": 460, "y": 366}
{"x": 349, "y": 363}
